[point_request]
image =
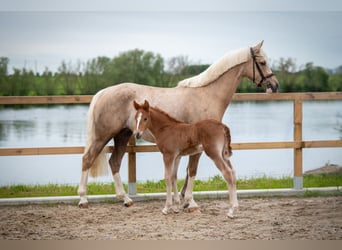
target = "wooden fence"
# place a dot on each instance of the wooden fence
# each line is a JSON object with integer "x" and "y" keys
{"x": 297, "y": 144}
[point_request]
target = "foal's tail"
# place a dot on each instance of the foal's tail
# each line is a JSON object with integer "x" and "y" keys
{"x": 227, "y": 149}
{"x": 99, "y": 166}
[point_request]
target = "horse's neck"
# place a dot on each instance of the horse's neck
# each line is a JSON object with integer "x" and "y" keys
{"x": 225, "y": 86}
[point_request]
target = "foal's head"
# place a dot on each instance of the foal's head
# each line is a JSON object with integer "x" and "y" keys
{"x": 142, "y": 118}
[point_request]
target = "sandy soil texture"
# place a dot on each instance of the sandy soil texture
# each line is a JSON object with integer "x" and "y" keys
{"x": 262, "y": 218}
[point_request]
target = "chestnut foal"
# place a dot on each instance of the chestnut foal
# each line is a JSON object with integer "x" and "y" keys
{"x": 175, "y": 139}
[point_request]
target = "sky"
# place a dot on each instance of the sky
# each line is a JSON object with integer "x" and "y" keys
{"x": 36, "y": 34}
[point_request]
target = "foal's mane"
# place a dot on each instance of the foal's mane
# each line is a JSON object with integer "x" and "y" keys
{"x": 165, "y": 114}
{"x": 215, "y": 70}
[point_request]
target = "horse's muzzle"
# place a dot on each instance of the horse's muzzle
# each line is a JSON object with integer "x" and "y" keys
{"x": 272, "y": 87}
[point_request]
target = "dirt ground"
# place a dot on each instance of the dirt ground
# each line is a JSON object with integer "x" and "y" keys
{"x": 262, "y": 218}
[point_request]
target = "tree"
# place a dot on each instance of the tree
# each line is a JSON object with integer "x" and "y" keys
{"x": 20, "y": 83}
{"x": 68, "y": 77}
{"x": 48, "y": 81}
{"x": 174, "y": 70}
{"x": 3, "y": 75}
{"x": 3, "y": 66}
{"x": 144, "y": 67}
{"x": 94, "y": 77}
{"x": 136, "y": 66}
{"x": 335, "y": 80}
{"x": 338, "y": 70}
{"x": 285, "y": 70}
{"x": 316, "y": 78}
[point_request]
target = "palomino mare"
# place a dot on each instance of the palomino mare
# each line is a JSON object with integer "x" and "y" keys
{"x": 205, "y": 96}
{"x": 176, "y": 139}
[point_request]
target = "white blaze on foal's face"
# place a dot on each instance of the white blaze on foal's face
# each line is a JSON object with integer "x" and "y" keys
{"x": 137, "y": 132}
{"x": 138, "y": 120}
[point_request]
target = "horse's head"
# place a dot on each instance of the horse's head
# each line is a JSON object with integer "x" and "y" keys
{"x": 142, "y": 118}
{"x": 259, "y": 71}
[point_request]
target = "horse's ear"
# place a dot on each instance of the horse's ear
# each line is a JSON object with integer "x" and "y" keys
{"x": 257, "y": 47}
{"x": 136, "y": 105}
{"x": 146, "y": 105}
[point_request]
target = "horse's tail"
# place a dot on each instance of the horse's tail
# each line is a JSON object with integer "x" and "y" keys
{"x": 99, "y": 166}
{"x": 227, "y": 149}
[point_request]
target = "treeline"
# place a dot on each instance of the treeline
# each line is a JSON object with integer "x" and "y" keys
{"x": 149, "y": 69}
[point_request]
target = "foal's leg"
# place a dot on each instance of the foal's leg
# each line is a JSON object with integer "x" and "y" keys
{"x": 189, "y": 202}
{"x": 174, "y": 184}
{"x": 120, "y": 143}
{"x": 169, "y": 161}
{"x": 87, "y": 160}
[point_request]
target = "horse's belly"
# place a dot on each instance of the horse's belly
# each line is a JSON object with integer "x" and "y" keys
{"x": 192, "y": 150}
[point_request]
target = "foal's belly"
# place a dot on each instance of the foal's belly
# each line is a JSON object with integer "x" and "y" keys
{"x": 192, "y": 150}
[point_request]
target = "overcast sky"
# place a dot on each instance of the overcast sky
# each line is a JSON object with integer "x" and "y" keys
{"x": 37, "y": 35}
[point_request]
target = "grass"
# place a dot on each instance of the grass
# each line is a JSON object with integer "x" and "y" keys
{"x": 214, "y": 183}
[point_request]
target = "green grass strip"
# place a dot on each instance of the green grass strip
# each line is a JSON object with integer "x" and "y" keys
{"x": 212, "y": 184}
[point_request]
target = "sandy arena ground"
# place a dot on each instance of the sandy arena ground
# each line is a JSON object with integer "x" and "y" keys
{"x": 262, "y": 218}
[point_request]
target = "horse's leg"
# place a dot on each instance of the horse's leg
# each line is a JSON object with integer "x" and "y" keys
{"x": 229, "y": 176}
{"x": 186, "y": 192}
{"x": 193, "y": 161}
{"x": 169, "y": 161}
{"x": 234, "y": 195}
{"x": 174, "y": 185}
{"x": 87, "y": 160}
{"x": 120, "y": 143}
{"x": 82, "y": 190}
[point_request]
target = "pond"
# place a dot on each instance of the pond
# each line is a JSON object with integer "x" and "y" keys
{"x": 65, "y": 125}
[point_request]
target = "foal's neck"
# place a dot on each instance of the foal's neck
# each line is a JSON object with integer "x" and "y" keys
{"x": 160, "y": 119}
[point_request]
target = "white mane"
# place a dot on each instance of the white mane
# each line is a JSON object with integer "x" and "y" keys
{"x": 215, "y": 70}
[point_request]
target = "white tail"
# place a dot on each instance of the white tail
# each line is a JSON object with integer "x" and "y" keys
{"x": 99, "y": 167}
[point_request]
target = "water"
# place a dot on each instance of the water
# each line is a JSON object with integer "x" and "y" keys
{"x": 249, "y": 122}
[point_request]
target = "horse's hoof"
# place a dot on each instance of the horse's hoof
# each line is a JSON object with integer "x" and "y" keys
{"x": 165, "y": 211}
{"x": 186, "y": 205}
{"x": 83, "y": 205}
{"x": 194, "y": 210}
{"x": 230, "y": 215}
{"x": 175, "y": 210}
{"x": 128, "y": 204}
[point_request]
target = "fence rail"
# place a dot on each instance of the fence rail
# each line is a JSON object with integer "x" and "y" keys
{"x": 297, "y": 144}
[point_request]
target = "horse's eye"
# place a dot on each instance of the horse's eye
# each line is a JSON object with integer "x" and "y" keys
{"x": 145, "y": 119}
{"x": 263, "y": 63}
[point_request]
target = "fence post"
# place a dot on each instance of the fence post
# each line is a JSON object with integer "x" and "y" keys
{"x": 298, "y": 149}
{"x": 132, "y": 178}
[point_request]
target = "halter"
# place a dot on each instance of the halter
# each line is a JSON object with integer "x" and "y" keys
{"x": 263, "y": 77}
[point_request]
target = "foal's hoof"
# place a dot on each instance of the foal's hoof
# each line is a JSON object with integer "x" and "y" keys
{"x": 128, "y": 204}
{"x": 83, "y": 205}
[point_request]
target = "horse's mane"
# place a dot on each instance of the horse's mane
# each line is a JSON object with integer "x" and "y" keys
{"x": 165, "y": 114}
{"x": 215, "y": 70}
